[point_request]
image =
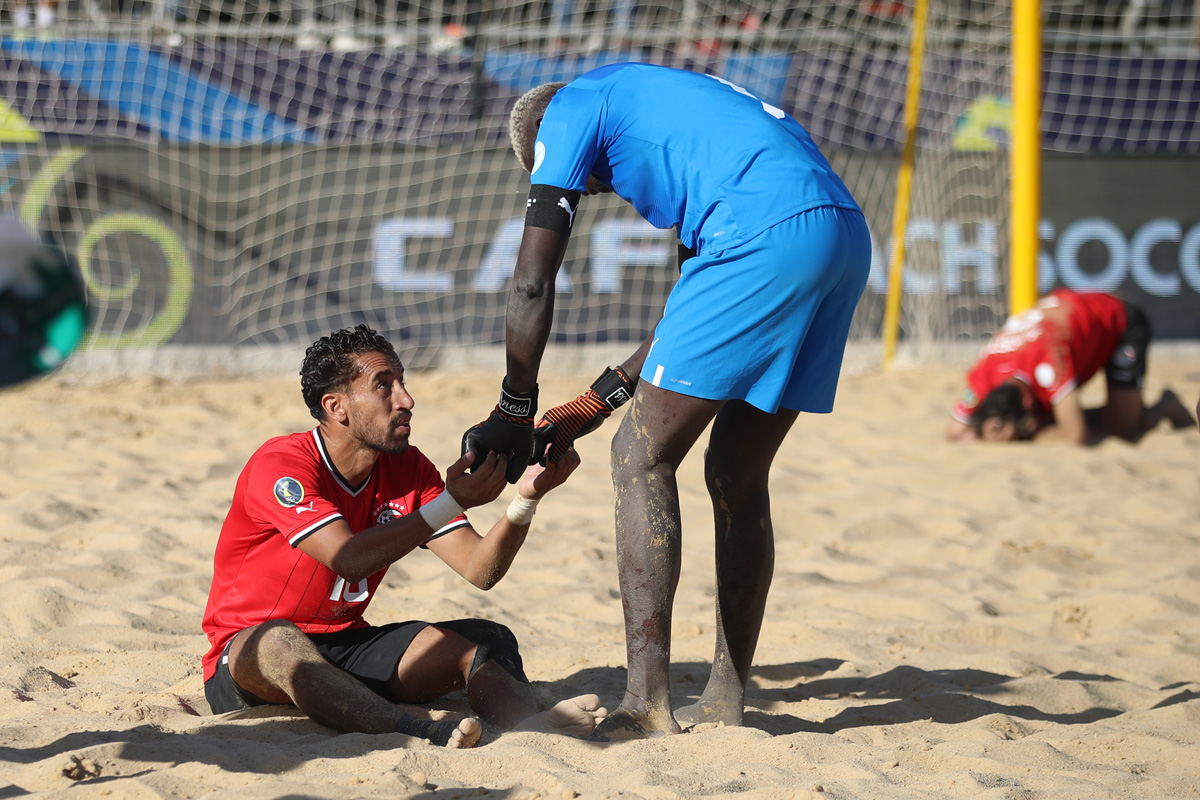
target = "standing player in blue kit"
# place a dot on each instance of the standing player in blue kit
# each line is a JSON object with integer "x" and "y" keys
{"x": 774, "y": 253}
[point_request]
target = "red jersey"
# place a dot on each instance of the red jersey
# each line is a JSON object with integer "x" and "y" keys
{"x": 1050, "y": 358}
{"x": 288, "y": 491}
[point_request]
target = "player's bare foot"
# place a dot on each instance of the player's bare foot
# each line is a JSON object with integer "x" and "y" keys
{"x": 623, "y": 725}
{"x": 708, "y": 711}
{"x": 577, "y": 716}
{"x": 453, "y": 734}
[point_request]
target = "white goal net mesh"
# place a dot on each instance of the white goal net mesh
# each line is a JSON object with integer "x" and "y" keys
{"x": 234, "y": 173}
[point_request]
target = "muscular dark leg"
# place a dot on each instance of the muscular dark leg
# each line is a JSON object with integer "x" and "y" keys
{"x": 653, "y": 439}
{"x": 278, "y": 663}
{"x": 736, "y": 468}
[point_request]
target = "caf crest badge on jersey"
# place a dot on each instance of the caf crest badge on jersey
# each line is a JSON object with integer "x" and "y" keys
{"x": 289, "y": 492}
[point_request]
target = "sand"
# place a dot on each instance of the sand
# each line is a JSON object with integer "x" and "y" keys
{"x": 945, "y": 621}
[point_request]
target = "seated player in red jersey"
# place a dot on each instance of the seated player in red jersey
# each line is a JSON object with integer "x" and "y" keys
{"x": 1027, "y": 380}
{"x": 316, "y": 520}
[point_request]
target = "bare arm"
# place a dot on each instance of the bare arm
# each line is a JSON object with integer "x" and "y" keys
{"x": 531, "y": 307}
{"x": 531, "y": 304}
{"x": 1070, "y": 425}
{"x": 484, "y": 560}
{"x": 354, "y": 556}
{"x": 632, "y": 366}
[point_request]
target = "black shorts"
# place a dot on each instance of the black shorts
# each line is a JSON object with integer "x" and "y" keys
{"x": 1126, "y": 367}
{"x": 370, "y": 654}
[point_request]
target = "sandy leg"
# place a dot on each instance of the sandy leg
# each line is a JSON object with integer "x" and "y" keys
{"x": 708, "y": 711}
{"x": 625, "y": 724}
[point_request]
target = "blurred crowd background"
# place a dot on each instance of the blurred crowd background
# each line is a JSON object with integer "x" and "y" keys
{"x": 1161, "y": 26}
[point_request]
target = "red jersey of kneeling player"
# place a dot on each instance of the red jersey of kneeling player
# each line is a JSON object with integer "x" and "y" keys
{"x": 288, "y": 491}
{"x": 1053, "y": 348}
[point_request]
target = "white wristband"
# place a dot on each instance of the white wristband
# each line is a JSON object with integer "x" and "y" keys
{"x": 441, "y": 510}
{"x": 520, "y": 510}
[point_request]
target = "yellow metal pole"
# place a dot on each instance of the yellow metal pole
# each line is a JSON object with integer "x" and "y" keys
{"x": 912, "y": 107}
{"x": 1026, "y": 154}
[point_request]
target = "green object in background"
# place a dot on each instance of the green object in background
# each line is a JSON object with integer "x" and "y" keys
{"x": 43, "y": 306}
{"x": 63, "y": 334}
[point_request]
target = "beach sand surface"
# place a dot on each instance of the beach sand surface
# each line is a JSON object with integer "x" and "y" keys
{"x": 945, "y": 621}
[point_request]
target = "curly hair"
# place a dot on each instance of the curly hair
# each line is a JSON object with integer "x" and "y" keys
{"x": 329, "y": 363}
{"x": 1003, "y": 403}
{"x": 525, "y": 117}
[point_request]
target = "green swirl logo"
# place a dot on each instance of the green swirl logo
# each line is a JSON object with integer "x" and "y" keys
{"x": 162, "y": 326}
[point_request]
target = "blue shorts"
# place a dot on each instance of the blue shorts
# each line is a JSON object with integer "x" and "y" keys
{"x": 766, "y": 321}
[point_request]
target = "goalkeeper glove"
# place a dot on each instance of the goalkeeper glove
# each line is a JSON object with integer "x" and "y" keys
{"x": 508, "y": 430}
{"x": 562, "y": 425}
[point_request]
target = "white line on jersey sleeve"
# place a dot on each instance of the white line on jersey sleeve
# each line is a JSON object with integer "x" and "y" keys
{"x": 301, "y": 535}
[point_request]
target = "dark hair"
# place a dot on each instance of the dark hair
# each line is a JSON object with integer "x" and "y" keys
{"x": 1005, "y": 403}
{"x": 329, "y": 364}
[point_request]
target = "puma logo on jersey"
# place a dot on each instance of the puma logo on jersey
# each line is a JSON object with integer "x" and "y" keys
{"x": 302, "y": 509}
{"x": 565, "y": 206}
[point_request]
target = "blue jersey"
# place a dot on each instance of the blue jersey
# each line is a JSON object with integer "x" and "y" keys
{"x": 688, "y": 151}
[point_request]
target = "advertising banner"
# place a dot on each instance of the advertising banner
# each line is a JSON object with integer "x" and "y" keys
{"x": 254, "y": 245}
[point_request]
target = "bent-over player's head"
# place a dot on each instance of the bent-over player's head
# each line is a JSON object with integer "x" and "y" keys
{"x": 329, "y": 363}
{"x": 525, "y": 119}
{"x": 1004, "y": 415}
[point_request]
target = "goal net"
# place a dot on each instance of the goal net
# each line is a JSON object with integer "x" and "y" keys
{"x": 233, "y": 174}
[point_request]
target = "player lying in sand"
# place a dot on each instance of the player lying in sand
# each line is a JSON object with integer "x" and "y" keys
{"x": 318, "y": 518}
{"x": 1026, "y": 383}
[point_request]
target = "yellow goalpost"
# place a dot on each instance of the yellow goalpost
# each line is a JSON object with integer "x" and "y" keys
{"x": 912, "y": 107}
{"x": 1025, "y": 190}
{"x": 1025, "y": 165}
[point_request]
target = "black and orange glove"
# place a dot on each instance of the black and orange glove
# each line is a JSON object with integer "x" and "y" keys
{"x": 508, "y": 430}
{"x": 562, "y": 425}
